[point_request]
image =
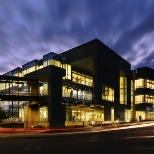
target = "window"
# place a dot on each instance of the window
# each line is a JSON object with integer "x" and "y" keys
{"x": 149, "y": 84}
{"x": 123, "y": 88}
{"x": 139, "y": 83}
{"x": 139, "y": 99}
{"x": 43, "y": 114}
{"x": 67, "y": 67}
{"x": 107, "y": 93}
{"x": 82, "y": 79}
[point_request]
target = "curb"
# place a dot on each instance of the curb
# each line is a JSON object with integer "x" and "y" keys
{"x": 66, "y": 129}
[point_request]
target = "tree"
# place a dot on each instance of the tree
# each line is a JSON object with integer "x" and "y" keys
{"x": 2, "y": 114}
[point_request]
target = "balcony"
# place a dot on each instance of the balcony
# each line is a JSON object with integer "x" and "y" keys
{"x": 14, "y": 95}
{"x": 143, "y": 91}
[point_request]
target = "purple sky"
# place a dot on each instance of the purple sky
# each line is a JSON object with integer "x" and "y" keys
{"x": 30, "y": 29}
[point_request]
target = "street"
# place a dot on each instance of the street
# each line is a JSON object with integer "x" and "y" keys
{"x": 116, "y": 140}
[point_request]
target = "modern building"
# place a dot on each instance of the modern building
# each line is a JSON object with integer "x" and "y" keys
{"x": 89, "y": 83}
{"x": 144, "y": 93}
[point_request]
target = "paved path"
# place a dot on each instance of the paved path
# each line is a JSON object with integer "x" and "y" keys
{"x": 66, "y": 129}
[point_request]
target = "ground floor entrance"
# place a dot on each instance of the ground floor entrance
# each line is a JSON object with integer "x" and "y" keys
{"x": 35, "y": 115}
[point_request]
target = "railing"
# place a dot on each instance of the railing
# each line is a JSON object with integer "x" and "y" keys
{"x": 43, "y": 92}
{"x": 19, "y": 93}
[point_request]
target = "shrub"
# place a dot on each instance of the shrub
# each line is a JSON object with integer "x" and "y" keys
{"x": 2, "y": 114}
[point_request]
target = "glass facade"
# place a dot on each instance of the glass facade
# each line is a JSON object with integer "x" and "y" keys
{"x": 145, "y": 94}
{"x": 47, "y": 59}
{"x": 139, "y": 83}
{"x": 15, "y": 72}
{"x": 16, "y": 88}
{"x": 19, "y": 109}
{"x": 123, "y": 90}
{"x": 149, "y": 84}
{"x": 145, "y": 97}
{"x": 29, "y": 67}
{"x": 43, "y": 114}
{"x": 43, "y": 89}
{"x": 140, "y": 115}
{"x": 76, "y": 93}
{"x": 77, "y": 87}
{"x": 144, "y": 83}
{"x": 107, "y": 93}
{"x": 68, "y": 69}
{"x": 85, "y": 114}
{"x": 82, "y": 79}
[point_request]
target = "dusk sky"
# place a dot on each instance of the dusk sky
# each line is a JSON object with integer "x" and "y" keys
{"x": 30, "y": 29}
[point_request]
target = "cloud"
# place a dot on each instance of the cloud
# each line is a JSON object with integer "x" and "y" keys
{"x": 32, "y": 28}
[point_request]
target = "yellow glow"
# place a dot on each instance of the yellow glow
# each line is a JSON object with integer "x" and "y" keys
{"x": 82, "y": 79}
{"x": 123, "y": 90}
{"x": 139, "y": 99}
{"x": 87, "y": 114}
{"x": 149, "y": 84}
{"x": 107, "y": 93}
{"x": 43, "y": 113}
{"x": 68, "y": 71}
{"x": 139, "y": 83}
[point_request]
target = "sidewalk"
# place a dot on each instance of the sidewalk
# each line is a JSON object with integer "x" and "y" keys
{"x": 59, "y": 130}
{"x": 50, "y": 130}
{"x": 56, "y": 130}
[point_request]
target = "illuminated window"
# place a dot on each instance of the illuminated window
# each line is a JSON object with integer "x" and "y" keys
{"x": 66, "y": 92}
{"x": 82, "y": 79}
{"x": 139, "y": 83}
{"x": 43, "y": 114}
{"x": 107, "y": 93}
{"x": 149, "y": 99}
{"x": 29, "y": 67}
{"x": 48, "y": 59}
{"x": 76, "y": 94}
{"x": 140, "y": 114}
{"x": 149, "y": 84}
{"x": 139, "y": 99}
{"x": 67, "y": 67}
{"x": 21, "y": 110}
{"x": 123, "y": 88}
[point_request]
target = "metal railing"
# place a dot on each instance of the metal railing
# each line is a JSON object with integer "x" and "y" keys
{"x": 19, "y": 93}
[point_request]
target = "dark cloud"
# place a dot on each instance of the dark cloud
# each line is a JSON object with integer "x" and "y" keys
{"x": 32, "y": 28}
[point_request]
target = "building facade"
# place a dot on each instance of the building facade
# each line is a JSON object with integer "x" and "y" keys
{"x": 89, "y": 83}
{"x": 144, "y": 93}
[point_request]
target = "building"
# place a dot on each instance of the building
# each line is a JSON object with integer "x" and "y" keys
{"x": 89, "y": 83}
{"x": 144, "y": 93}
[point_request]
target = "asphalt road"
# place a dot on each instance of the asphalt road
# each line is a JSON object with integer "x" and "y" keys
{"x": 119, "y": 140}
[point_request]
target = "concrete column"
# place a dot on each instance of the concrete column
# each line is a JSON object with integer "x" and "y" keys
{"x": 107, "y": 114}
{"x": 32, "y": 115}
{"x": 56, "y": 111}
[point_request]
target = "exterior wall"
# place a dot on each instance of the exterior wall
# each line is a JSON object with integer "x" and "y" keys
{"x": 83, "y": 51}
{"x": 53, "y": 76}
{"x": 144, "y": 93}
{"x": 103, "y": 66}
{"x": 107, "y": 67}
{"x": 56, "y": 110}
{"x": 105, "y": 70}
